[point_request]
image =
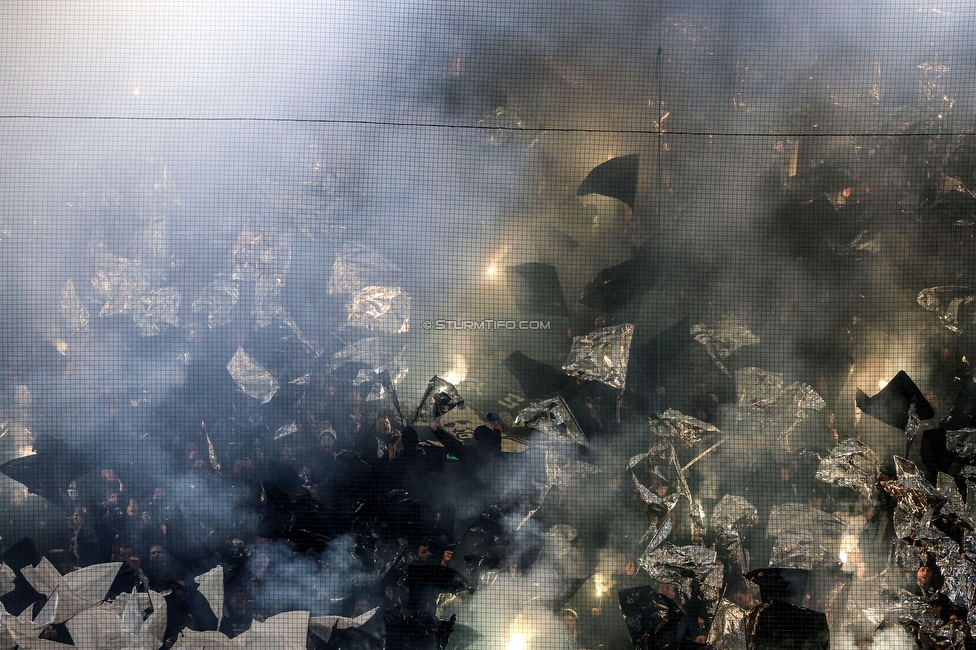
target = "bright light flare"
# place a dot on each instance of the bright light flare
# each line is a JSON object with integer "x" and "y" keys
{"x": 491, "y": 270}
{"x": 843, "y": 557}
{"x": 516, "y": 642}
{"x": 882, "y": 383}
{"x": 459, "y": 372}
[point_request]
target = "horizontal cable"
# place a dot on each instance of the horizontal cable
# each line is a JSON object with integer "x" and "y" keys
{"x": 481, "y": 127}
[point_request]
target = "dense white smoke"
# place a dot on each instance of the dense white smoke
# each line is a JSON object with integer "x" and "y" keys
{"x": 161, "y": 131}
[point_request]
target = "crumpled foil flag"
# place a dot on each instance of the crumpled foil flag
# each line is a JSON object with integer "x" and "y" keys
{"x": 563, "y": 471}
{"x": 262, "y": 256}
{"x": 678, "y": 427}
{"x": 854, "y": 465}
{"x": 506, "y": 122}
{"x": 723, "y": 339}
{"x": 440, "y": 397}
{"x": 659, "y": 504}
{"x": 553, "y": 417}
{"x": 264, "y": 259}
{"x": 357, "y": 266}
{"x": 381, "y": 354}
{"x": 73, "y": 311}
{"x": 379, "y": 309}
{"x": 251, "y": 377}
{"x": 128, "y": 287}
{"x": 730, "y": 516}
{"x": 948, "y": 635}
{"x": 918, "y": 617}
{"x": 945, "y": 485}
{"x": 733, "y": 512}
{"x": 679, "y": 565}
{"x": 121, "y": 282}
{"x": 916, "y": 499}
{"x": 865, "y": 242}
{"x": 958, "y": 572}
{"x": 661, "y": 532}
{"x": 945, "y": 303}
{"x": 927, "y": 545}
{"x": 805, "y": 537}
{"x": 764, "y": 393}
{"x": 601, "y": 355}
{"x": 962, "y": 442}
{"x": 217, "y": 300}
{"x": 156, "y": 310}
{"x": 728, "y": 631}
{"x": 286, "y": 430}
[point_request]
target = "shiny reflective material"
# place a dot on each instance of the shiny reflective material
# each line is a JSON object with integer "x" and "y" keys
{"x": 601, "y": 355}
{"x": 357, "y": 266}
{"x": 679, "y": 565}
{"x": 724, "y": 338}
{"x": 732, "y": 513}
{"x": 804, "y": 537}
{"x": 217, "y": 300}
{"x": 554, "y": 418}
{"x": 852, "y": 464}
{"x": 440, "y": 397}
{"x": 962, "y": 442}
{"x": 563, "y": 471}
{"x": 286, "y": 430}
{"x": 73, "y": 311}
{"x": 129, "y": 287}
{"x": 251, "y": 377}
{"x": 915, "y": 498}
{"x": 264, "y": 259}
{"x": 728, "y": 631}
{"x": 680, "y": 428}
{"x": 764, "y": 393}
{"x": 379, "y": 309}
{"x": 380, "y": 354}
{"x": 945, "y": 302}
{"x": 914, "y": 424}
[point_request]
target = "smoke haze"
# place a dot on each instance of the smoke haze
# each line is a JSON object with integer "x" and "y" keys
{"x": 170, "y": 136}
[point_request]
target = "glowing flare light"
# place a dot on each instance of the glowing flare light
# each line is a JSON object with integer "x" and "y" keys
{"x": 517, "y": 642}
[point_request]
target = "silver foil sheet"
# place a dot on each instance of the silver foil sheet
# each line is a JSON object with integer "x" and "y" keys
{"x": 601, "y": 355}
